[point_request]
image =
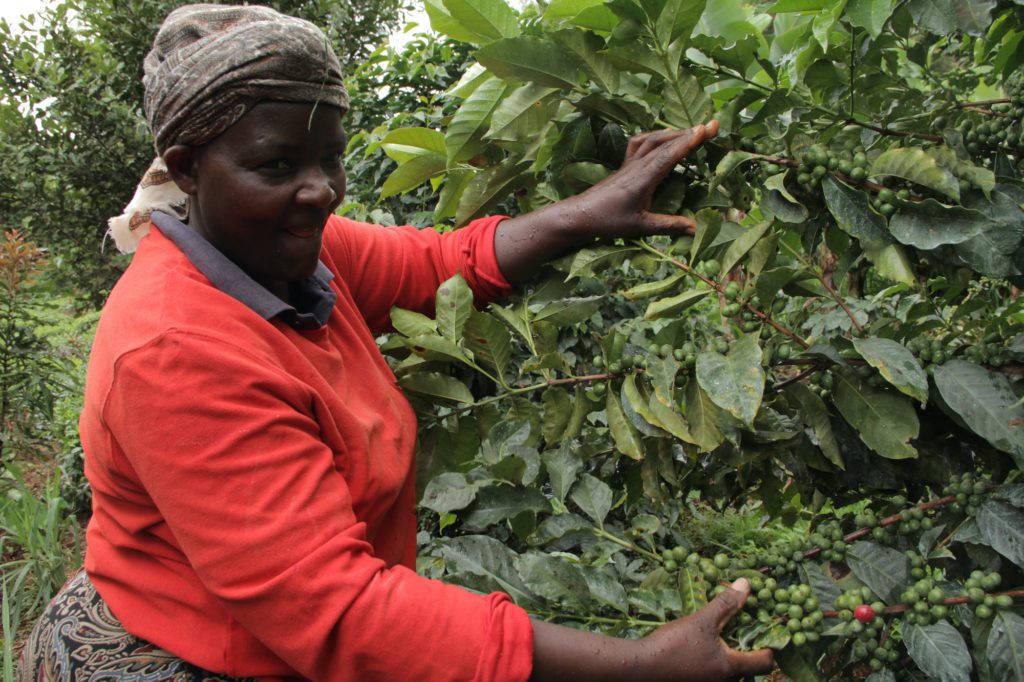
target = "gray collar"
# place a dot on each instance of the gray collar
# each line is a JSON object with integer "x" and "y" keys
{"x": 313, "y": 295}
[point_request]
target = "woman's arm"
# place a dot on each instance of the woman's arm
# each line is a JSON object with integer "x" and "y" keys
{"x": 618, "y": 206}
{"x": 688, "y": 649}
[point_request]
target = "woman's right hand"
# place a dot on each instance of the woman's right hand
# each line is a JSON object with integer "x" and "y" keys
{"x": 691, "y": 648}
{"x": 686, "y": 650}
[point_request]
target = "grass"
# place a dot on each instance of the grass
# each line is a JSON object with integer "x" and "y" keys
{"x": 39, "y": 547}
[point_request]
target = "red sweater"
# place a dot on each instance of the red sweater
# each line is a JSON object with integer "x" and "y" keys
{"x": 253, "y": 484}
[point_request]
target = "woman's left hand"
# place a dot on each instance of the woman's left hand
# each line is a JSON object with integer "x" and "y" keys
{"x": 618, "y": 206}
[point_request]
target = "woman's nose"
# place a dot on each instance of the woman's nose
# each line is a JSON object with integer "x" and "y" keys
{"x": 317, "y": 190}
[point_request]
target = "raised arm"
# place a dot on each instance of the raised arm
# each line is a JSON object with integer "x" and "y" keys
{"x": 618, "y": 206}
{"x": 688, "y": 649}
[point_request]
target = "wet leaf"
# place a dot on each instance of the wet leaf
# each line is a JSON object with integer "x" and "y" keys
{"x": 735, "y": 381}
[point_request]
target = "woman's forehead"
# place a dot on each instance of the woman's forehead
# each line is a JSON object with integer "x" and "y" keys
{"x": 286, "y": 122}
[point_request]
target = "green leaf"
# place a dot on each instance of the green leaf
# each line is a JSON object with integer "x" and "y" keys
{"x": 562, "y": 465}
{"x": 587, "y": 48}
{"x": 693, "y": 590}
{"x": 891, "y": 263}
{"x": 884, "y": 569}
{"x": 569, "y": 311}
{"x": 886, "y": 422}
{"x": 709, "y": 224}
{"x": 648, "y": 289}
{"x": 522, "y": 113}
{"x": 484, "y": 556}
{"x": 491, "y": 19}
{"x": 489, "y": 341}
{"x": 986, "y": 402}
{"x": 791, "y": 661}
{"x": 928, "y": 224}
{"x": 437, "y": 385}
{"x": 939, "y": 651}
{"x": 489, "y": 187}
{"x": 816, "y": 417}
{"x": 735, "y": 381}
{"x": 869, "y": 14}
{"x": 627, "y": 440}
{"x": 437, "y": 344}
{"x": 585, "y": 260}
{"x": 946, "y": 16}
{"x": 402, "y": 144}
{"x": 443, "y": 22}
{"x": 896, "y": 364}
{"x": 1006, "y": 646}
{"x": 532, "y": 60}
{"x": 916, "y": 165}
{"x": 453, "y": 305}
{"x": 729, "y": 163}
{"x": 685, "y": 104}
{"x": 677, "y": 19}
{"x": 702, "y": 415}
{"x": 594, "y": 497}
{"x": 411, "y": 323}
{"x": 469, "y": 123}
{"x": 850, "y": 209}
{"x": 557, "y": 411}
{"x": 669, "y": 419}
{"x": 554, "y": 578}
{"x": 449, "y": 491}
{"x": 500, "y": 502}
{"x": 411, "y": 174}
{"x": 742, "y": 244}
{"x": 670, "y": 307}
{"x": 1002, "y": 526}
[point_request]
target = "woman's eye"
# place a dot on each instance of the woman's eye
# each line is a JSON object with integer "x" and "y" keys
{"x": 277, "y": 166}
{"x": 332, "y": 160}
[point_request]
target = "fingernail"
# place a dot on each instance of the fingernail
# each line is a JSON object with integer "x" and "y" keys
{"x": 740, "y": 585}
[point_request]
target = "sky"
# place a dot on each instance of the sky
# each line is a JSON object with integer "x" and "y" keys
{"x": 12, "y": 9}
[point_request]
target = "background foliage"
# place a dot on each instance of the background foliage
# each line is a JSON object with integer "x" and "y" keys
{"x": 836, "y": 349}
{"x": 819, "y": 390}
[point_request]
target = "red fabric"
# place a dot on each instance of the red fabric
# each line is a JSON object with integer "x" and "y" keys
{"x": 253, "y": 485}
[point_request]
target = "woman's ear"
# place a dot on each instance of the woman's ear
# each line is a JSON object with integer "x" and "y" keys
{"x": 181, "y": 161}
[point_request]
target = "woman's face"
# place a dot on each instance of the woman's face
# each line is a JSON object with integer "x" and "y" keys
{"x": 264, "y": 189}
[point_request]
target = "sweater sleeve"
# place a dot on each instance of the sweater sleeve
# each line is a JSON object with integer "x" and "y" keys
{"x": 234, "y": 463}
{"x": 403, "y": 266}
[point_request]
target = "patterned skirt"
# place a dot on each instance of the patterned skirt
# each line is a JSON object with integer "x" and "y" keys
{"x": 78, "y": 639}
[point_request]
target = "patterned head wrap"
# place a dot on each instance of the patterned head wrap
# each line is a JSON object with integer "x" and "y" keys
{"x": 210, "y": 64}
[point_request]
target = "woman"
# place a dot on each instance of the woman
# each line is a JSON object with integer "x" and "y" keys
{"x": 250, "y": 454}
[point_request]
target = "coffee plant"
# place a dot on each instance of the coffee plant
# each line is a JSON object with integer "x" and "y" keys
{"x": 835, "y": 352}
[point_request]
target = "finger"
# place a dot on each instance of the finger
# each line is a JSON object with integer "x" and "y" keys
{"x": 750, "y": 663}
{"x": 727, "y": 604}
{"x": 648, "y": 140}
{"x": 690, "y": 138}
{"x": 662, "y": 223}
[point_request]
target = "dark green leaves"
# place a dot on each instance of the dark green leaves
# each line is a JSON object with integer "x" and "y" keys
{"x": 897, "y": 364}
{"x": 1006, "y": 646}
{"x": 916, "y": 165}
{"x": 531, "y": 60}
{"x": 885, "y": 421}
{"x": 735, "y": 381}
{"x": 939, "y": 650}
{"x": 850, "y": 209}
{"x": 986, "y": 402}
{"x": 1002, "y": 526}
{"x": 883, "y": 569}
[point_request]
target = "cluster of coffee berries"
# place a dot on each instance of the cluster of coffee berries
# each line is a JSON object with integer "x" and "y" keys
{"x": 970, "y": 490}
{"x": 976, "y": 589}
{"x": 711, "y": 568}
{"x": 850, "y": 161}
{"x": 934, "y": 351}
{"x": 992, "y": 354}
{"x": 795, "y": 605}
{"x": 926, "y": 602}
